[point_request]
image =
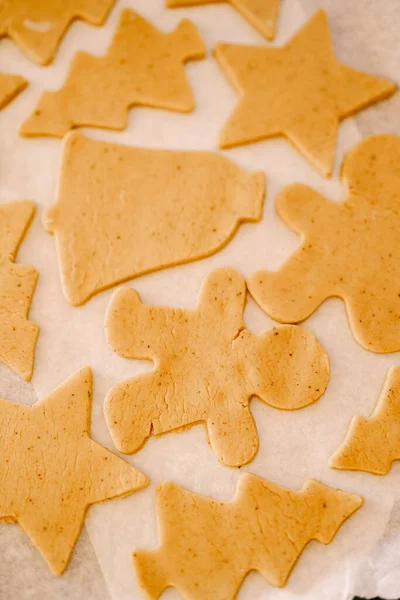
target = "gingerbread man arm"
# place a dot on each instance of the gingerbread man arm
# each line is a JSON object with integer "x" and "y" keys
{"x": 300, "y": 206}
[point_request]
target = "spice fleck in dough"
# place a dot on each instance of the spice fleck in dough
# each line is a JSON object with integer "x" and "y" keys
{"x": 37, "y": 26}
{"x": 208, "y": 366}
{"x": 142, "y": 67}
{"x": 300, "y": 91}
{"x": 10, "y": 87}
{"x": 373, "y": 443}
{"x": 18, "y": 336}
{"x": 208, "y": 547}
{"x": 48, "y": 444}
{"x": 124, "y": 211}
{"x": 349, "y": 249}
{"x": 261, "y": 14}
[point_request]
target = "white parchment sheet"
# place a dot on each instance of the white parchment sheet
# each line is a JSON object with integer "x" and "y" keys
{"x": 364, "y": 558}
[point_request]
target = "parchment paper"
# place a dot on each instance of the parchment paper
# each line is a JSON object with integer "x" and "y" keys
{"x": 364, "y": 558}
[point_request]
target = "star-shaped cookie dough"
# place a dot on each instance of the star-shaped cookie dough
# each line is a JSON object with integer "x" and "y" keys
{"x": 209, "y": 547}
{"x": 37, "y": 26}
{"x": 299, "y": 91}
{"x": 10, "y": 86}
{"x": 261, "y": 14}
{"x": 51, "y": 471}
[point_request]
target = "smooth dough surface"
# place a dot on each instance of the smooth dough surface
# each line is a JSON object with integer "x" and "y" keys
{"x": 261, "y": 14}
{"x": 299, "y": 91}
{"x": 141, "y": 67}
{"x": 18, "y": 335}
{"x": 123, "y": 211}
{"x": 37, "y": 26}
{"x": 51, "y": 471}
{"x": 373, "y": 443}
{"x": 208, "y": 547}
{"x": 208, "y": 366}
{"x": 10, "y": 86}
{"x": 349, "y": 249}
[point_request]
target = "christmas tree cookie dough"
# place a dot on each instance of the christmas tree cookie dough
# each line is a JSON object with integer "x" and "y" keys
{"x": 142, "y": 67}
{"x": 37, "y": 26}
{"x": 261, "y": 14}
{"x": 51, "y": 471}
{"x": 208, "y": 547}
{"x": 10, "y": 86}
{"x": 208, "y": 366}
{"x": 349, "y": 249}
{"x": 18, "y": 335}
{"x": 124, "y": 211}
{"x": 299, "y": 91}
{"x": 373, "y": 443}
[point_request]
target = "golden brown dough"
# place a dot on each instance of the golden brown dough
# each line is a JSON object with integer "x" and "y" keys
{"x": 10, "y": 87}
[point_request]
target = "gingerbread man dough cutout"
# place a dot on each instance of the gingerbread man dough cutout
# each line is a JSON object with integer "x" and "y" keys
{"x": 52, "y": 471}
{"x": 349, "y": 249}
{"x": 208, "y": 366}
{"x": 373, "y": 443}
{"x": 37, "y": 26}
{"x": 18, "y": 335}
{"x": 299, "y": 91}
{"x": 142, "y": 67}
{"x": 209, "y": 547}
{"x": 261, "y": 14}
{"x": 10, "y": 87}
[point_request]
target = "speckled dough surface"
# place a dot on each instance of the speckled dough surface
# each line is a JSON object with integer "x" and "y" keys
{"x": 10, "y": 86}
{"x": 142, "y": 67}
{"x": 208, "y": 366}
{"x": 262, "y": 14}
{"x": 299, "y": 91}
{"x": 373, "y": 443}
{"x": 124, "y": 211}
{"x": 208, "y": 547}
{"x": 18, "y": 335}
{"x": 37, "y": 26}
{"x": 349, "y": 249}
{"x": 44, "y": 445}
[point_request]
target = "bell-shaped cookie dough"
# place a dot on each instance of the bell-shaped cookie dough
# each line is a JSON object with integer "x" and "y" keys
{"x": 122, "y": 211}
{"x": 142, "y": 67}
{"x": 51, "y": 470}
{"x": 349, "y": 249}
{"x": 209, "y": 547}
{"x": 208, "y": 366}
{"x": 373, "y": 443}
{"x": 299, "y": 91}
{"x": 37, "y": 26}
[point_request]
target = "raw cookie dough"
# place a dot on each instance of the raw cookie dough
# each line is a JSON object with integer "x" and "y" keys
{"x": 261, "y": 14}
{"x": 123, "y": 211}
{"x": 18, "y": 335}
{"x": 208, "y": 547}
{"x": 142, "y": 67}
{"x": 208, "y": 366}
{"x": 299, "y": 91}
{"x": 373, "y": 443}
{"x": 37, "y": 26}
{"x": 349, "y": 249}
{"x": 10, "y": 86}
{"x": 51, "y": 471}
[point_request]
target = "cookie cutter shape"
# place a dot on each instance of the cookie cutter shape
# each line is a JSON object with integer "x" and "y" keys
{"x": 348, "y": 249}
{"x": 49, "y": 443}
{"x": 10, "y": 87}
{"x": 123, "y": 211}
{"x": 37, "y": 26}
{"x": 299, "y": 91}
{"x": 208, "y": 366}
{"x": 142, "y": 67}
{"x": 209, "y": 547}
{"x": 261, "y": 14}
{"x": 18, "y": 335}
{"x": 373, "y": 443}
